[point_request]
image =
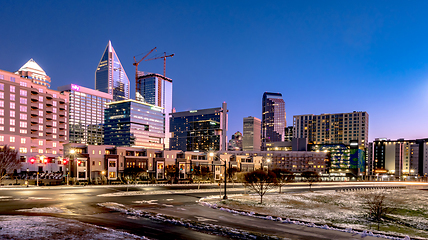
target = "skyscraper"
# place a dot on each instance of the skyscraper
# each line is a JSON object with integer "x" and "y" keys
{"x": 110, "y": 77}
{"x": 273, "y": 119}
{"x": 156, "y": 89}
{"x": 251, "y": 138}
{"x": 86, "y": 114}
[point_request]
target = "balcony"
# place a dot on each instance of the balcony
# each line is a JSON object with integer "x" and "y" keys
{"x": 49, "y": 116}
{"x": 49, "y": 109}
{"x": 62, "y": 113}
{"x": 34, "y": 105}
{"x": 34, "y": 91}
{"x": 34, "y": 113}
{"x": 61, "y": 126}
{"x": 34, "y": 120}
{"x": 34, "y": 127}
{"x": 49, "y": 103}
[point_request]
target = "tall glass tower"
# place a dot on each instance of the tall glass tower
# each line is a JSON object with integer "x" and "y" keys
{"x": 273, "y": 119}
{"x": 110, "y": 76}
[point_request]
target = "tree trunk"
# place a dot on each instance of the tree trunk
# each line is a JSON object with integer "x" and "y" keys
{"x": 261, "y": 199}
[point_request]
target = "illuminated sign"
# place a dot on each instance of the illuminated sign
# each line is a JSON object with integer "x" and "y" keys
{"x": 193, "y": 111}
{"x": 380, "y": 171}
{"x": 75, "y": 87}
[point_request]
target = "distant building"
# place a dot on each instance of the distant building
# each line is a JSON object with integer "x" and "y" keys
{"x": 251, "y": 134}
{"x": 33, "y": 119}
{"x": 339, "y": 128}
{"x": 289, "y": 133}
{"x": 156, "y": 89}
{"x": 273, "y": 118}
{"x": 86, "y": 114}
{"x": 110, "y": 76}
{"x": 31, "y": 70}
{"x": 132, "y": 123}
{"x": 235, "y": 144}
{"x": 199, "y": 130}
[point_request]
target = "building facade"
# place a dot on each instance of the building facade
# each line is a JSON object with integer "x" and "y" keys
{"x": 235, "y": 144}
{"x": 31, "y": 70}
{"x": 251, "y": 134}
{"x": 199, "y": 130}
{"x": 86, "y": 114}
{"x": 134, "y": 124}
{"x": 340, "y": 128}
{"x": 156, "y": 89}
{"x": 110, "y": 76}
{"x": 273, "y": 117}
{"x": 33, "y": 119}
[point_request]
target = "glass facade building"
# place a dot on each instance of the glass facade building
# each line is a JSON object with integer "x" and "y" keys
{"x": 134, "y": 124}
{"x": 156, "y": 89}
{"x": 273, "y": 117}
{"x": 86, "y": 114}
{"x": 197, "y": 130}
{"x": 110, "y": 76}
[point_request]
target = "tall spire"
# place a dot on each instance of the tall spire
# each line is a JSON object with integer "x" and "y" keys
{"x": 110, "y": 76}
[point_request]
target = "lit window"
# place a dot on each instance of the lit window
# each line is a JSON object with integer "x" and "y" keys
{"x": 40, "y": 128}
{"x": 23, "y": 100}
{"x": 41, "y": 105}
{"x": 12, "y": 121}
{"x": 1, "y": 138}
{"x": 54, "y": 144}
{"x": 40, "y": 150}
{"x": 23, "y": 150}
{"x": 23, "y": 116}
{"x": 41, "y": 120}
{"x": 1, "y": 103}
{"x": 40, "y": 98}
{"x": 12, "y": 139}
{"x": 40, "y": 142}
{"x": 41, "y": 134}
{"x": 40, "y": 113}
{"x": 23, "y": 108}
{"x": 12, "y": 88}
{"x": 23, "y": 93}
{"x": 12, "y": 113}
{"x": 23, "y": 124}
{"x": 1, "y": 95}
{"x": 12, "y": 105}
{"x": 23, "y": 131}
{"x": 12, "y": 97}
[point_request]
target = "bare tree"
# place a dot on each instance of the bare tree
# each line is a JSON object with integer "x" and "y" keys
{"x": 310, "y": 177}
{"x": 377, "y": 206}
{"x": 260, "y": 181}
{"x": 283, "y": 177}
{"x": 9, "y": 161}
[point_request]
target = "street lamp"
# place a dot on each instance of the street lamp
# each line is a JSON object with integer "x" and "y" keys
{"x": 27, "y": 176}
{"x": 72, "y": 152}
{"x": 104, "y": 172}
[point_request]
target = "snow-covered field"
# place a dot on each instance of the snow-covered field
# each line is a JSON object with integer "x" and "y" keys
{"x": 38, "y": 227}
{"x": 341, "y": 209}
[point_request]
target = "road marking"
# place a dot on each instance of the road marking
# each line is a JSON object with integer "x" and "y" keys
{"x": 148, "y": 202}
{"x": 182, "y": 209}
{"x": 203, "y": 219}
{"x": 166, "y": 205}
{"x": 170, "y": 199}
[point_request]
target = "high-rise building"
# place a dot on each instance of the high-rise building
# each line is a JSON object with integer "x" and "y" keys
{"x": 251, "y": 134}
{"x": 156, "y": 89}
{"x": 273, "y": 118}
{"x": 33, "y": 118}
{"x": 86, "y": 114}
{"x": 199, "y": 130}
{"x": 110, "y": 76}
{"x": 132, "y": 123}
{"x": 235, "y": 144}
{"x": 338, "y": 128}
{"x": 31, "y": 70}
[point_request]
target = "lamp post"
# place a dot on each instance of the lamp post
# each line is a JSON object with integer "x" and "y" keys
{"x": 27, "y": 176}
{"x": 103, "y": 173}
{"x": 268, "y": 162}
{"x": 72, "y": 152}
{"x": 225, "y": 176}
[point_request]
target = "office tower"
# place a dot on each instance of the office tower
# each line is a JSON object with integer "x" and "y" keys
{"x": 33, "y": 119}
{"x": 199, "y": 130}
{"x": 333, "y": 128}
{"x": 31, "y": 70}
{"x": 252, "y": 130}
{"x": 110, "y": 76}
{"x": 289, "y": 133}
{"x": 156, "y": 89}
{"x": 86, "y": 114}
{"x": 134, "y": 124}
{"x": 273, "y": 119}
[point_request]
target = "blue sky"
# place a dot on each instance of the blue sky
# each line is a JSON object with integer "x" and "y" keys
{"x": 323, "y": 56}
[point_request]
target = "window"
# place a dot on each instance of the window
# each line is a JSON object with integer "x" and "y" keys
{"x": 40, "y": 142}
{"x": 12, "y": 113}
{"x": 41, "y": 120}
{"x": 54, "y": 103}
{"x": 12, "y": 105}
{"x": 1, "y": 120}
{"x": 24, "y": 84}
{"x": 54, "y": 130}
{"x": 12, "y": 121}
{"x": 40, "y": 98}
{"x": 40, "y": 134}
{"x": 40, "y": 113}
{"x": 23, "y": 131}
{"x": 54, "y": 124}
{"x": 23, "y": 93}
{"x": 53, "y": 152}
{"x": 12, "y": 79}
{"x": 12, "y": 129}
{"x": 112, "y": 175}
{"x": 12, "y": 88}
{"x": 1, "y": 103}
{"x": 23, "y": 116}
{"x": 23, "y": 108}
{"x": 99, "y": 152}
{"x": 1, "y": 95}
{"x": 2, "y": 76}
{"x": 54, "y": 144}
{"x": 54, "y": 95}
{"x": 23, "y": 124}
{"x": 23, "y": 150}
{"x": 40, "y": 128}
{"x": 40, "y": 150}
{"x": 12, "y": 139}
{"x": 41, "y": 105}
{"x": 54, "y": 117}
{"x": 1, "y": 112}
{"x": 99, "y": 163}
{"x": 41, "y": 91}
{"x": 23, "y": 100}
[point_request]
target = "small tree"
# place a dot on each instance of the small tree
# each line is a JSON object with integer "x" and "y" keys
{"x": 310, "y": 177}
{"x": 376, "y": 206}
{"x": 9, "y": 161}
{"x": 260, "y": 181}
{"x": 133, "y": 172}
{"x": 231, "y": 173}
{"x": 171, "y": 173}
{"x": 283, "y": 177}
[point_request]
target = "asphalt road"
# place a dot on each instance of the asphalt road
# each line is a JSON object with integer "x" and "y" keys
{"x": 80, "y": 203}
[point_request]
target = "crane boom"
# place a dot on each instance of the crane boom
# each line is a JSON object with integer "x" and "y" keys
{"x": 136, "y": 66}
{"x": 164, "y": 61}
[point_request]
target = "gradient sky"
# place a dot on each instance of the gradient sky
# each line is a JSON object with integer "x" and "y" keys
{"x": 323, "y": 56}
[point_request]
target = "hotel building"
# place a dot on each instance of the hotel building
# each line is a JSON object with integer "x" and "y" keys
{"x": 273, "y": 118}
{"x": 86, "y": 114}
{"x": 339, "y": 128}
{"x": 33, "y": 118}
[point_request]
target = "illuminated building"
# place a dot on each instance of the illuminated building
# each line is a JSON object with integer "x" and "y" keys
{"x": 110, "y": 76}
{"x": 31, "y": 70}
{"x": 273, "y": 119}
{"x": 86, "y": 114}
{"x": 251, "y": 134}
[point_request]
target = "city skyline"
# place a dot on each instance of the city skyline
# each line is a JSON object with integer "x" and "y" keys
{"x": 324, "y": 58}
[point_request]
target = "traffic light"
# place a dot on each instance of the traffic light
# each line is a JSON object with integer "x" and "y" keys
{"x": 65, "y": 161}
{"x": 32, "y": 160}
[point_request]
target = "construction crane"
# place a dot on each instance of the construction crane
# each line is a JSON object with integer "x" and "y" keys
{"x": 164, "y": 61}
{"x": 136, "y": 66}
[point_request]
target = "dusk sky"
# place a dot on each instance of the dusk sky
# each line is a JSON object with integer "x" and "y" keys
{"x": 323, "y": 56}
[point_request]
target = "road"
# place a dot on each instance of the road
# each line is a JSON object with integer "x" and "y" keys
{"x": 80, "y": 203}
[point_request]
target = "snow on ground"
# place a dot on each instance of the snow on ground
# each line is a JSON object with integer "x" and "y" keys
{"x": 38, "y": 227}
{"x": 340, "y": 209}
{"x": 42, "y": 210}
